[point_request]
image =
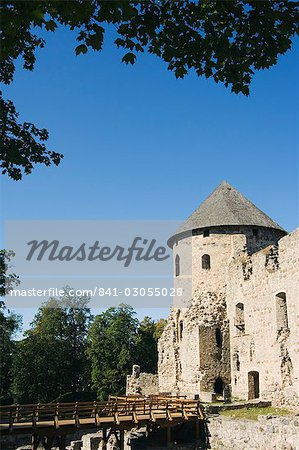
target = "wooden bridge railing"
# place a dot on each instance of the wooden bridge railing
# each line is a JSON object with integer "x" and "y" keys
{"x": 114, "y": 411}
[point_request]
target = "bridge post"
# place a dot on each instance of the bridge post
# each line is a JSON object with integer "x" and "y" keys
{"x": 168, "y": 431}
{"x": 121, "y": 439}
{"x": 104, "y": 440}
{"x": 35, "y": 441}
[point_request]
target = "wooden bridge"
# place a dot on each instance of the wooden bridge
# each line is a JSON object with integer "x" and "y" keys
{"x": 50, "y": 423}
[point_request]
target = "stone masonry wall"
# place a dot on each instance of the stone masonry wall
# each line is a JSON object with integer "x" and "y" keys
{"x": 140, "y": 383}
{"x": 267, "y": 345}
{"x": 277, "y": 433}
{"x": 190, "y": 358}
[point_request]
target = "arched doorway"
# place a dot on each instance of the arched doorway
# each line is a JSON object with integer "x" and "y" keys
{"x": 218, "y": 386}
{"x": 253, "y": 385}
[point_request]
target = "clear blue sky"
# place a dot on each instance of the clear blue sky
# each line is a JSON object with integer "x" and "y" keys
{"x": 139, "y": 144}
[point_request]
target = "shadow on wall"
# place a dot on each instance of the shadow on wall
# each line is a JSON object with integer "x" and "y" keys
{"x": 183, "y": 436}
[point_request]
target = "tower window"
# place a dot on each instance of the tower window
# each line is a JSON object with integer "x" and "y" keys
{"x": 239, "y": 319}
{"x": 206, "y": 262}
{"x": 181, "y": 329}
{"x": 218, "y": 337}
{"x": 177, "y": 265}
{"x": 206, "y": 233}
{"x": 281, "y": 312}
{"x": 255, "y": 233}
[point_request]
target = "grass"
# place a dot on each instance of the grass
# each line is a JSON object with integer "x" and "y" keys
{"x": 253, "y": 413}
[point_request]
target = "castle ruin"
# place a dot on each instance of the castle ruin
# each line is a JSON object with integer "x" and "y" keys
{"x": 236, "y": 324}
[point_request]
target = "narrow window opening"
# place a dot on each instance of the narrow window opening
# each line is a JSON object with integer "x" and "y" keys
{"x": 177, "y": 265}
{"x": 206, "y": 233}
{"x": 181, "y": 329}
{"x": 236, "y": 361}
{"x": 281, "y": 312}
{"x": 218, "y": 336}
{"x": 239, "y": 319}
{"x": 255, "y": 233}
{"x": 206, "y": 262}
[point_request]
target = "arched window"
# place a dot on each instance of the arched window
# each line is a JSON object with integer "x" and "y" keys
{"x": 177, "y": 265}
{"x": 206, "y": 262}
{"x": 206, "y": 233}
{"x": 218, "y": 386}
{"x": 240, "y": 319}
{"x": 281, "y": 311}
{"x": 218, "y": 337}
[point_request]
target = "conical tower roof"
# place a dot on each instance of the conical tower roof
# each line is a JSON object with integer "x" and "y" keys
{"x": 225, "y": 207}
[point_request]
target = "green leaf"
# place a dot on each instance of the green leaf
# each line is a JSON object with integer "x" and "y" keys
{"x": 51, "y": 25}
{"x": 129, "y": 58}
{"x": 119, "y": 42}
{"x": 81, "y": 49}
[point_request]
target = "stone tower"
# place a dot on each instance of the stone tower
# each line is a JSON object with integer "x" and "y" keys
{"x": 194, "y": 350}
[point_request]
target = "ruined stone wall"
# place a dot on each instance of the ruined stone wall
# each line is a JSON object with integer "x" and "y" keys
{"x": 168, "y": 362}
{"x": 226, "y": 433}
{"x": 190, "y": 359}
{"x": 269, "y": 344}
{"x": 275, "y": 433}
{"x": 141, "y": 383}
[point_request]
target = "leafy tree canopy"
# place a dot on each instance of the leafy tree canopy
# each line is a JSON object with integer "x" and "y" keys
{"x": 9, "y": 325}
{"x": 224, "y": 40}
{"x": 111, "y": 349}
{"x": 116, "y": 341}
{"x": 50, "y": 363}
{"x": 147, "y": 346}
{"x": 160, "y": 325}
{"x": 7, "y": 280}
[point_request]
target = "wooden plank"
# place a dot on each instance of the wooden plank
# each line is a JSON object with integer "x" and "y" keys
{"x": 153, "y": 418}
{"x": 135, "y": 420}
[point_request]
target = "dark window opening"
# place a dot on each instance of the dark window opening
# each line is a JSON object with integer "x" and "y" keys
{"x": 240, "y": 319}
{"x": 181, "y": 329}
{"x": 218, "y": 336}
{"x": 281, "y": 312}
{"x": 177, "y": 265}
{"x": 206, "y": 233}
{"x": 236, "y": 361}
{"x": 218, "y": 386}
{"x": 206, "y": 262}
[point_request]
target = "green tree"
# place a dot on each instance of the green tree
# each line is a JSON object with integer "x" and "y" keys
{"x": 9, "y": 325}
{"x": 7, "y": 280}
{"x": 227, "y": 41}
{"x": 112, "y": 349}
{"x": 160, "y": 325}
{"x": 50, "y": 362}
{"x": 146, "y": 346}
